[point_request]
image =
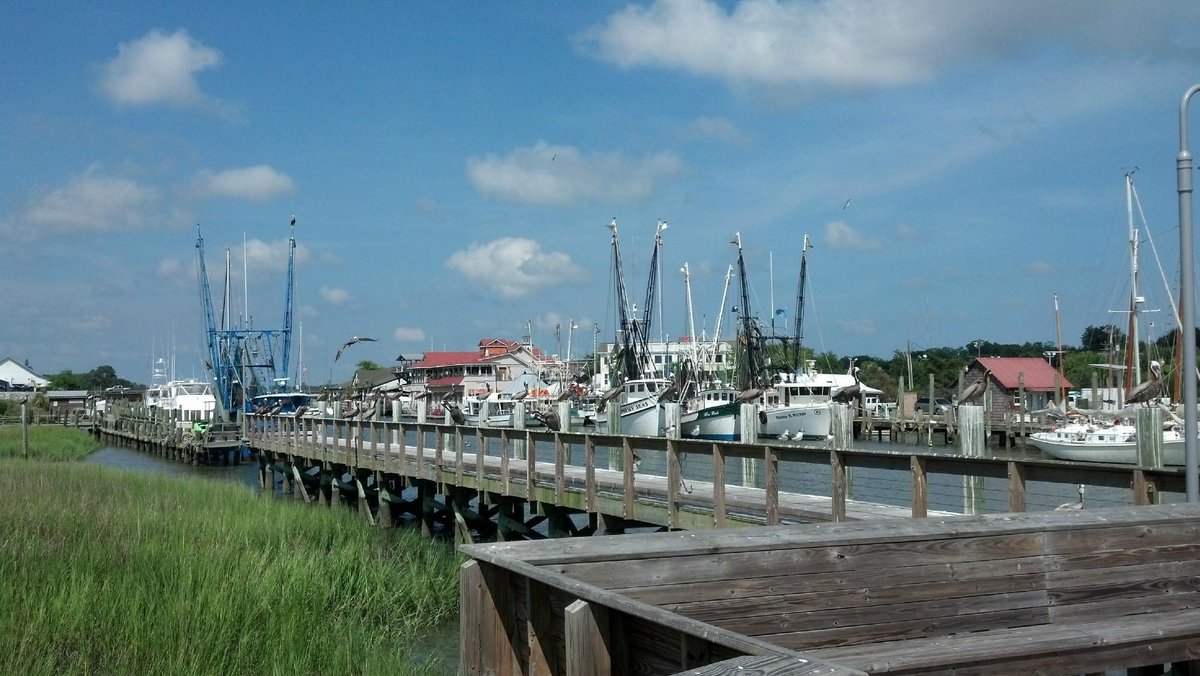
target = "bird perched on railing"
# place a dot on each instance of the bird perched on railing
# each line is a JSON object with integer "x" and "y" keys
{"x": 849, "y": 393}
{"x": 976, "y": 389}
{"x": 1149, "y": 390}
{"x": 456, "y": 413}
{"x": 549, "y": 418}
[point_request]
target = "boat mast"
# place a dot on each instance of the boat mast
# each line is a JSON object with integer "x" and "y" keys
{"x": 751, "y": 371}
{"x": 1134, "y": 351}
{"x": 651, "y": 289}
{"x": 798, "y": 343}
{"x": 628, "y": 334}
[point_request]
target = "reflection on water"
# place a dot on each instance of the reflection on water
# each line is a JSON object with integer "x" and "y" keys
{"x": 129, "y": 459}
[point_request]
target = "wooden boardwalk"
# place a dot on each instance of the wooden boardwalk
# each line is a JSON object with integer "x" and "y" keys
{"x": 1081, "y": 591}
{"x": 503, "y": 483}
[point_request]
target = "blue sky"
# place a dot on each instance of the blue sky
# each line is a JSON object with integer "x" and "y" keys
{"x": 452, "y": 167}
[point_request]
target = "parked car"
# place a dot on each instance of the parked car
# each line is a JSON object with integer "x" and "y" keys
{"x": 941, "y": 405}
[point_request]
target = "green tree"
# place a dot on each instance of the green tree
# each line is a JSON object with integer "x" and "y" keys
{"x": 66, "y": 380}
{"x": 1101, "y": 338}
{"x": 367, "y": 365}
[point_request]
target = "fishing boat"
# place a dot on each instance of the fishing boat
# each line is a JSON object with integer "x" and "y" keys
{"x": 798, "y": 405}
{"x": 715, "y": 410}
{"x": 188, "y": 401}
{"x": 639, "y": 388}
{"x": 1114, "y": 442}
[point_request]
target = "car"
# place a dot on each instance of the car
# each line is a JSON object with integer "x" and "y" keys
{"x": 941, "y": 405}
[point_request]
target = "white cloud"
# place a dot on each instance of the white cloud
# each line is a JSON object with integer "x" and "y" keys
{"x": 1040, "y": 268}
{"x": 258, "y": 183}
{"x": 334, "y": 296}
{"x": 906, "y": 232}
{"x": 272, "y": 256}
{"x": 158, "y": 68}
{"x": 868, "y": 43}
{"x": 839, "y": 235}
{"x": 92, "y": 202}
{"x": 169, "y": 268}
{"x": 513, "y": 266}
{"x": 552, "y": 174}
{"x": 717, "y": 128}
{"x": 408, "y": 334}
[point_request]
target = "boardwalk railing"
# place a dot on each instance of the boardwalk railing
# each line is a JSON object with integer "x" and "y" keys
{"x": 690, "y": 484}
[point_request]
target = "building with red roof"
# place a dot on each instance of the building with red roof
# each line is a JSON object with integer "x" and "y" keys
{"x": 1016, "y": 385}
{"x": 494, "y": 365}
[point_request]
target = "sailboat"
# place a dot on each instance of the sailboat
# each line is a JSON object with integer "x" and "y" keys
{"x": 1110, "y": 436}
{"x": 638, "y": 388}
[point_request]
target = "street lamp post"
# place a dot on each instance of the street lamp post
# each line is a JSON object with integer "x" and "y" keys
{"x": 1183, "y": 175}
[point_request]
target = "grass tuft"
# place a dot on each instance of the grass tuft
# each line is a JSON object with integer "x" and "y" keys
{"x": 113, "y": 572}
{"x": 47, "y": 442}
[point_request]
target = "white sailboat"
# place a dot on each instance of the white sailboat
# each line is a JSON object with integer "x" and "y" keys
{"x": 1109, "y": 436}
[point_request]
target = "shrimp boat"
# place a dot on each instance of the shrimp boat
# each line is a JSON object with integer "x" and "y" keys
{"x": 639, "y": 389}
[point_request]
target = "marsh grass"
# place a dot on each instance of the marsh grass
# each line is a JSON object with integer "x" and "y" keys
{"x": 47, "y": 442}
{"x": 112, "y": 572}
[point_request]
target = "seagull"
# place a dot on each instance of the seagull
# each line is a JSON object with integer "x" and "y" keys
{"x": 976, "y": 389}
{"x": 1068, "y": 506}
{"x": 846, "y": 204}
{"x": 786, "y": 436}
{"x": 1148, "y": 390}
{"x": 293, "y": 219}
{"x": 348, "y": 343}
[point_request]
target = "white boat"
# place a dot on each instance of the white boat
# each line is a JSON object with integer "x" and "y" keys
{"x": 1100, "y": 442}
{"x": 712, "y": 413}
{"x": 189, "y": 401}
{"x": 641, "y": 388}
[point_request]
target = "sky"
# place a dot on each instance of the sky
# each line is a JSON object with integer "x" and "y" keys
{"x": 453, "y": 167}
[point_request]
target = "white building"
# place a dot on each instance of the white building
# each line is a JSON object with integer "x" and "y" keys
{"x": 17, "y": 375}
{"x": 710, "y": 357}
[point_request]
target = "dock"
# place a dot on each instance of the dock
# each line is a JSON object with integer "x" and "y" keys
{"x": 504, "y": 484}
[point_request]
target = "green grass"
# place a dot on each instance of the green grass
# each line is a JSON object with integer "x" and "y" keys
{"x": 110, "y": 572}
{"x": 47, "y": 442}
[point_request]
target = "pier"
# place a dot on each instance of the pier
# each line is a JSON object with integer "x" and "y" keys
{"x": 160, "y": 433}
{"x": 498, "y": 483}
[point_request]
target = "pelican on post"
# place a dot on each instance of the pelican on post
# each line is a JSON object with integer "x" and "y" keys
{"x": 1149, "y": 390}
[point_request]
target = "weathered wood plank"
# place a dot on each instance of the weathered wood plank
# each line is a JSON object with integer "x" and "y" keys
{"x": 771, "y": 665}
{"x": 587, "y": 640}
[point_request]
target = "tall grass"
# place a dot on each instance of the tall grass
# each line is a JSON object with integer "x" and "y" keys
{"x": 47, "y": 442}
{"x": 111, "y": 572}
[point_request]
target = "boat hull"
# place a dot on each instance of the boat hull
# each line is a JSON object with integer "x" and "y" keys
{"x": 807, "y": 421}
{"x": 718, "y": 423}
{"x": 1122, "y": 453}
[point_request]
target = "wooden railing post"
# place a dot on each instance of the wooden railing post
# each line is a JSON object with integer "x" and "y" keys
{"x": 487, "y": 624}
{"x": 837, "y": 504}
{"x": 673, "y": 481}
{"x": 1016, "y": 487}
{"x": 718, "y": 456}
{"x": 920, "y": 488}
{"x": 771, "y": 460}
{"x": 588, "y": 649}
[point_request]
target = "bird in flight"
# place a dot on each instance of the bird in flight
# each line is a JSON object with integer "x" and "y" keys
{"x": 348, "y": 343}
{"x": 293, "y": 219}
{"x": 846, "y": 204}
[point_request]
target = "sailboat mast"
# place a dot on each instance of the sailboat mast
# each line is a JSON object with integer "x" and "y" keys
{"x": 1134, "y": 299}
{"x": 1062, "y": 380}
{"x": 751, "y": 376}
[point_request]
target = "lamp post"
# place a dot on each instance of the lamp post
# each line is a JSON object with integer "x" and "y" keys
{"x": 1183, "y": 175}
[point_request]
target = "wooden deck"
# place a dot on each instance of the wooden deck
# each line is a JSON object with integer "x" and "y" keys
{"x": 1080, "y": 591}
